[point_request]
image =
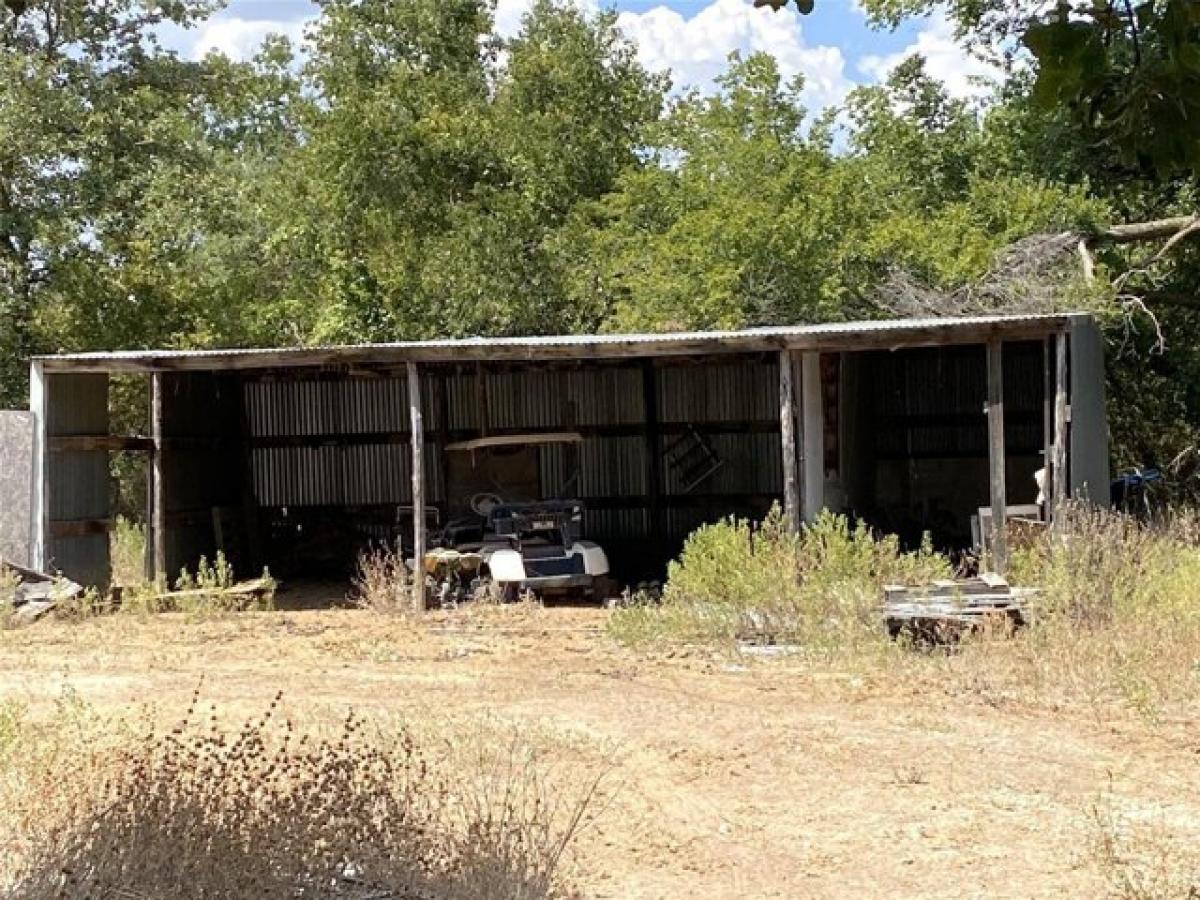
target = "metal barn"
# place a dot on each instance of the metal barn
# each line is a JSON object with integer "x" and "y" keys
{"x": 292, "y": 458}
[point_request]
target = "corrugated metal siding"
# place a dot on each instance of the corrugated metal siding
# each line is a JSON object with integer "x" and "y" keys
{"x": 737, "y": 391}
{"x": 355, "y": 475}
{"x": 611, "y": 467}
{"x": 546, "y": 399}
{"x": 930, "y": 402}
{"x": 78, "y": 479}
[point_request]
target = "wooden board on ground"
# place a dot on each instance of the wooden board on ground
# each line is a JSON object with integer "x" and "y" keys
{"x": 944, "y": 610}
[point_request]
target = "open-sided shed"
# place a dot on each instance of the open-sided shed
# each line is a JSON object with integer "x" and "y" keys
{"x": 291, "y": 457}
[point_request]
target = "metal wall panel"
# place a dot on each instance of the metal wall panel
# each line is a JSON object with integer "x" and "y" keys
{"x": 77, "y": 480}
{"x": 316, "y": 474}
{"x": 1088, "y": 465}
{"x": 546, "y": 399}
{"x": 16, "y": 486}
{"x": 332, "y": 406}
{"x": 734, "y": 391}
{"x": 930, "y": 402}
{"x": 609, "y": 469}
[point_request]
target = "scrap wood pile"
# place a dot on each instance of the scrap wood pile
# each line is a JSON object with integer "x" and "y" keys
{"x": 945, "y": 610}
{"x": 237, "y": 595}
{"x": 29, "y": 594}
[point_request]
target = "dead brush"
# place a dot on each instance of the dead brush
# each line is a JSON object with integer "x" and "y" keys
{"x": 269, "y": 812}
{"x": 382, "y": 581}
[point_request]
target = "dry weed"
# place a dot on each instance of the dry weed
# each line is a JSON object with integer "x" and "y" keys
{"x": 127, "y": 546}
{"x": 382, "y": 582}
{"x": 272, "y": 811}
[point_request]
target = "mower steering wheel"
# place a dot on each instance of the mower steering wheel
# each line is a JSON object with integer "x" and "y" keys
{"x": 483, "y": 504}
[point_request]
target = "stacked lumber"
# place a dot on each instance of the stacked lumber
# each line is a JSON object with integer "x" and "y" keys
{"x": 944, "y": 610}
{"x": 31, "y": 594}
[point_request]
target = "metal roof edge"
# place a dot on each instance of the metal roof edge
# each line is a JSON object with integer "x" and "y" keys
{"x": 868, "y": 334}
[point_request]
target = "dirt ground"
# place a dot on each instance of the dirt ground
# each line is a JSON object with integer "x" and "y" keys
{"x": 731, "y": 778}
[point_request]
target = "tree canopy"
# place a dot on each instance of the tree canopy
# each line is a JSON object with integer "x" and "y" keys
{"x": 409, "y": 173}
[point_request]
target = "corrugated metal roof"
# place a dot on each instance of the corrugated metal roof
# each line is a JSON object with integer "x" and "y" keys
{"x": 832, "y": 335}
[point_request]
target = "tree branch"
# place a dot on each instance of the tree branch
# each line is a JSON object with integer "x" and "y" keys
{"x": 1143, "y": 231}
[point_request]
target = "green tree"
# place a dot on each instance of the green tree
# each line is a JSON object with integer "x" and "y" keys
{"x": 1129, "y": 73}
{"x": 88, "y": 106}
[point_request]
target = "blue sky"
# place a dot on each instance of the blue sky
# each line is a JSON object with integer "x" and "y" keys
{"x": 833, "y": 47}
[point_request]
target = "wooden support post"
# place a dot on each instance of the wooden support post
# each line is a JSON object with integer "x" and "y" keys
{"x": 158, "y": 503}
{"x": 787, "y": 432}
{"x": 418, "y": 487}
{"x": 996, "y": 453}
{"x": 812, "y": 410}
{"x": 1059, "y": 492}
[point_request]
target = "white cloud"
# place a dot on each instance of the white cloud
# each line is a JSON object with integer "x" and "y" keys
{"x": 240, "y": 38}
{"x": 696, "y": 49}
{"x": 945, "y": 59}
{"x": 509, "y": 14}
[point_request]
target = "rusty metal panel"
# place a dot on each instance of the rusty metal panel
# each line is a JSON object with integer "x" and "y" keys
{"x": 16, "y": 486}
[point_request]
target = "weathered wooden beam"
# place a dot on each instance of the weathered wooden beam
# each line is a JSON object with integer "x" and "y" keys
{"x": 158, "y": 499}
{"x": 459, "y": 435}
{"x": 813, "y": 413}
{"x": 418, "y": 487}
{"x": 73, "y": 528}
{"x": 443, "y": 439}
{"x": 1059, "y": 473}
{"x": 787, "y": 431}
{"x": 996, "y": 454}
{"x": 111, "y": 442}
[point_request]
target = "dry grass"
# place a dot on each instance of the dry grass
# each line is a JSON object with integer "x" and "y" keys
{"x": 1117, "y": 620}
{"x": 382, "y": 582}
{"x": 274, "y": 811}
{"x": 8, "y": 585}
{"x": 974, "y": 778}
{"x": 127, "y": 546}
{"x": 1144, "y": 856}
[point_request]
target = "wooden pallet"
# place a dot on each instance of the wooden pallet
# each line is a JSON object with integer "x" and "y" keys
{"x": 945, "y": 610}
